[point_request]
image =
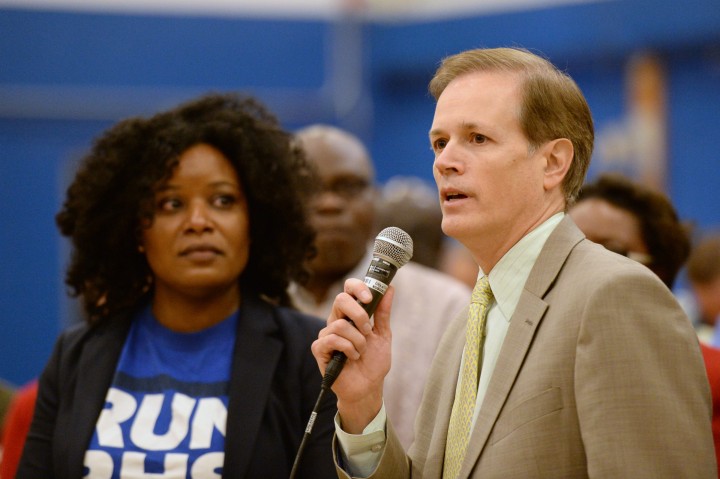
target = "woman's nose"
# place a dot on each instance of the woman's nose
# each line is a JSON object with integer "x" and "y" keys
{"x": 199, "y": 217}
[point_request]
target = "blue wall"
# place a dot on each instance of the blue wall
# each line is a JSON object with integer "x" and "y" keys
{"x": 65, "y": 77}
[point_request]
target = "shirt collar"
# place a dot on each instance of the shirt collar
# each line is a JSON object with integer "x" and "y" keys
{"x": 509, "y": 275}
{"x": 305, "y": 301}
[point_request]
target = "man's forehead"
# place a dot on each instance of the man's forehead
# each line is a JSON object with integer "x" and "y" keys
{"x": 487, "y": 86}
{"x": 333, "y": 161}
{"x": 477, "y": 91}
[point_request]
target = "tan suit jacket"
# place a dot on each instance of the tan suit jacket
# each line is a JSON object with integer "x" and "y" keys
{"x": 600, "y": 375}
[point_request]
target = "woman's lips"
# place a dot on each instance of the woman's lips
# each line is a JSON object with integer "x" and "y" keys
{"x": 201, "y": 253}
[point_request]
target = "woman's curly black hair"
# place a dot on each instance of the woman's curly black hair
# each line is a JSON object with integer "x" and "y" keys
{"x": 111, "y": 199}
{"x": 666, "y": 237}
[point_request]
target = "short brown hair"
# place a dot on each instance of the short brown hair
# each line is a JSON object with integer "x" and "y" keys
{"x": 703, "y": 266}
{"x": 552, "y": 106}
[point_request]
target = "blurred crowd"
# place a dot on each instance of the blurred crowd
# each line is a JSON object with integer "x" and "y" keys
{"x": 348, "y": 208}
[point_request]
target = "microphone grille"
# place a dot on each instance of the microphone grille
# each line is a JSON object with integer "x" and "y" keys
{"x": 395, "y": 245}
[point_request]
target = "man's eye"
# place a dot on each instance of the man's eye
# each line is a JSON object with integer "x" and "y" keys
{"x": 439, "y": 144}
{"x": 350, "y": 188}
{"x": 346, "y": 188}
{"x": 478, "y": 138}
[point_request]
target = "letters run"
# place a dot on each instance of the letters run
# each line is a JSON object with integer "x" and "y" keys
{"x": 128, "y": 426}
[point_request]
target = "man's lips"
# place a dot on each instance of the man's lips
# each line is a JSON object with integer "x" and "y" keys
{"x": 450, "y": 195}
{"x": 455, "y": 196}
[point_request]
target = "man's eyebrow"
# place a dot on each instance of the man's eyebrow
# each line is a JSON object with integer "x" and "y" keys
{"x": 466, "y": 125}
{"x": 435, "y": 132}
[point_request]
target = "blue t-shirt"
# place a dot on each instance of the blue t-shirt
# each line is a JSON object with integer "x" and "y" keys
{"x": 165, "y": 412}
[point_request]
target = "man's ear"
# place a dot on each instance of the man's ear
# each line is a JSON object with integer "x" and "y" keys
{"x": 559, "y": 155}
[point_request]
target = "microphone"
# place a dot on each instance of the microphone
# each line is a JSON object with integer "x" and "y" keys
{"x": 392, "y": 250}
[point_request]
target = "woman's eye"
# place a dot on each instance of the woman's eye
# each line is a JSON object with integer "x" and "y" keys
{"x": 224, "y": 201}
{"x": 169, "y": 204}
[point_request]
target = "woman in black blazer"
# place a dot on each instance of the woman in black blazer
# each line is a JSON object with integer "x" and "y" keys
{"x": 187, "y": 228}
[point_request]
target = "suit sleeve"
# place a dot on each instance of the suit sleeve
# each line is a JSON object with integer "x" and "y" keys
{"x": 643, "y": 400}
{"x": 394, "y": 464}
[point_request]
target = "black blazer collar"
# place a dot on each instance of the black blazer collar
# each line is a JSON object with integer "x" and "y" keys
{"x": 257, "y": 351}
{"x": 95, "y": 370}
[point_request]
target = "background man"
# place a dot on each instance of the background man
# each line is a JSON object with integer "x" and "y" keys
{"x": 703, "y": 270}
{"x": 343, "y": 214}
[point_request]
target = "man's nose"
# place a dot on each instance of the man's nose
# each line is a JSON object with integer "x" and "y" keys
{"x": 449, "y": 160}
{"x": 328, "y": 200}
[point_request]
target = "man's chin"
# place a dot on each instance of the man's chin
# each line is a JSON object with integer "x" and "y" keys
{"x": 451, "y": 228}
{"x": 337, "y": 258}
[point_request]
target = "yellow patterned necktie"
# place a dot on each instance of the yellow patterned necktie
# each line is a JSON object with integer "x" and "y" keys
{"x": 464, "y": 404}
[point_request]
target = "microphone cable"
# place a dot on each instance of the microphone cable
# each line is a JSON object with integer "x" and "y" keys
{"x": 332, "y": 371}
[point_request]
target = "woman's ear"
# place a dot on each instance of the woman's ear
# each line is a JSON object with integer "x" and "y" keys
{"x": 559, "y": 155}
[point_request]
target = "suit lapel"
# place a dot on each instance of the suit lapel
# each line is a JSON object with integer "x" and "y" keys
{"x": 257, "y": 352}
{"x": 434, "y": 414}
{"x": 519, "y": 337}
{"x": 525, "y": 321}
{"x": 95, "y": 373}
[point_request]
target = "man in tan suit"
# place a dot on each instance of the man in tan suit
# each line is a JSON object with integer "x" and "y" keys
{"x": 588, "y": 367}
